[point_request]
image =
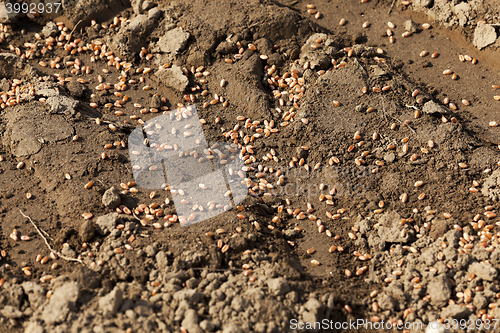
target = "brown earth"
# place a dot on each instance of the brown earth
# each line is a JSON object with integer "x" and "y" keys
{"x": 165, "y": 276}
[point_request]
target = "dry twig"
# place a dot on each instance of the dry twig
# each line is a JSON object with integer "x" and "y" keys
{"x": 392, "y": 6}
{"x": 41, "y": 232}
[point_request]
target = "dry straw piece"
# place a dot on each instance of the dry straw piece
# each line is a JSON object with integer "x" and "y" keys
{"x": 41, "y": 233}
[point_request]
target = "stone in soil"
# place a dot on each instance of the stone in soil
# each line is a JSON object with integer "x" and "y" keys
{"x": 491, "y": 186}
{"x": 483, "y": 271}
{"x": 278, "y": 286}
{"x": 6, "y": 17}
{"x": 455, "y": 311}
{"x": 107, "y": 223}
{"x": 440, "y": 290}
{"x": 432, "y": 107}
{"x": 141, "y": 6}
{"x": 50, "y": 29}
{"x": 484, "y": 35}
{"x": 132, "y": 36}
{"x": 112, "y": 301}
{"x": 462, "y": 11}
{"x": 173, "y": 78}
{"x": 173, "y": 42}
{"x": 87, "y": 231}
{"x": 36, "y": 294}
{"x": 111, "y": 198}
{"x": 410, "y": 26}
{"x": 62, "y": 301}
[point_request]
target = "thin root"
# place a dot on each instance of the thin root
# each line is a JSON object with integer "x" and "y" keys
{"x": 41, "y": 232}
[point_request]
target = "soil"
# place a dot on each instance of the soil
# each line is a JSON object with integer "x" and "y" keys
{"x": 311, "y": 248}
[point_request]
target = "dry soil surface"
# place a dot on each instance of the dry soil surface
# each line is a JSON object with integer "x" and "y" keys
{"x": 359, "y": 141}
